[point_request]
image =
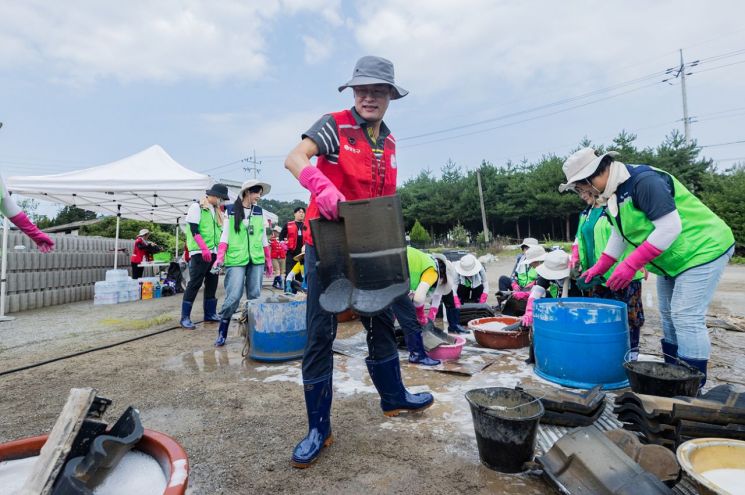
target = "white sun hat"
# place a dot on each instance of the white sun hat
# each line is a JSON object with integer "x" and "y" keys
{"x": 555, "y": 265}
{"x": 468, "y": 266}
{"x": 529, "y": 241}
{"x": 265, "y": 187}
{"x": 580, "y": 165}
{"x": 532, "y": 254}
{"x": 452, "y": 275}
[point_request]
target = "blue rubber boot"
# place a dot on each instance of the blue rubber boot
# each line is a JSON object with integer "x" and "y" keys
{"x": 417, "y": 354}
{"x": 186, "y": 316}
{"x": 394, "y": 398}
{"x": 453, "y": 315}
{"x": 318, "y": 395}
{"x": 669, "y": 351}
{"x": 210, "y": 310}
{"x": 699, "y": 364}
{"x": 277, "y": 283}
{"x": 222, "y": 332}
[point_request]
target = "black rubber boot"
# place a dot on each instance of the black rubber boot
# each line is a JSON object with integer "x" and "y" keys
{"x": 186, "y": 316}
{"x": 417, "y": 353}
{"x": 210, "y": 311}
{"x": 222, "y": 332}
{"x": 669, "y": 351}
{"x": 699, "y": 364}
{"x": 318, "y": 395}
{"x": 453, "y": 315}
{"x": 394, "y": 398}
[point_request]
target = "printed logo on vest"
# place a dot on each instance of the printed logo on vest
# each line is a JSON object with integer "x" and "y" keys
{"x": 350, "y": 149}
{"x": 393, "y": 161}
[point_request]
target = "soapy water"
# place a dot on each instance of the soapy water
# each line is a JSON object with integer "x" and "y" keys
{"x": 136, "y": 473}
{"x": 729, "y": 479}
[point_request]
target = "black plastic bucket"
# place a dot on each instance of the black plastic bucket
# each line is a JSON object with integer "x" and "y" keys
{"x": 663, "y": 379}
{"x": 506, "y": 423}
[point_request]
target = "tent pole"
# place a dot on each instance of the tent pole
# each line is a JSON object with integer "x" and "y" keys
{"x": 116, "y": 239}
{"x": 3, "y": 274}
{"x": 177, "y": 227}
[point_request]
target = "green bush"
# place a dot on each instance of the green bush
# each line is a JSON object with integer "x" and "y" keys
{"x": 419, "y": 235}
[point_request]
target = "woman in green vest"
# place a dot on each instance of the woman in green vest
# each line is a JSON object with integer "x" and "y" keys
{"x": 671, "y": 233}
{"x": 243, "y": 251}
{"x": 203, "y": 228}
{"x": 593, "y": 233}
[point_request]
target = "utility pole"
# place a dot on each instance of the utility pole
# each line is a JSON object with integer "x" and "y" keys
{"x": 483, "y": 211}
{"x": 253, "y": 164}
{"x": 686, "y": 119}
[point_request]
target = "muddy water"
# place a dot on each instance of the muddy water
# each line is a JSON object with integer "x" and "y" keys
{"x": 449, "y": 420}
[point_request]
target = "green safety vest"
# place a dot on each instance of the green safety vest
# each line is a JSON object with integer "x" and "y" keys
{"x": 418, "y": 261}
{"x": 243, "y": 246}
{"x": 208, "y": 229}
{"x": 704, "y": 237}
{"x": 601, "y": 233}
{"x": 525, "y": 275}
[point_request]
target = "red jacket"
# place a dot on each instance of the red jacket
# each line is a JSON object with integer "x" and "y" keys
{"x": 358, "y": 174}
{"x": 139, "y": 253}
{"x": 277, "y": 250}
{"x": 292, "y": 235}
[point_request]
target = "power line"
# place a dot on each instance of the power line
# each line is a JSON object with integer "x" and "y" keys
{"x": 722, "y": 144}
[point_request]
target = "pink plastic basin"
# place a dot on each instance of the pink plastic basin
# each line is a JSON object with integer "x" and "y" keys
{"x": 447, "y": 352}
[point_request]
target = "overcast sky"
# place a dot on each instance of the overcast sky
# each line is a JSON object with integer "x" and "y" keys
{"x": 83, "y": 83}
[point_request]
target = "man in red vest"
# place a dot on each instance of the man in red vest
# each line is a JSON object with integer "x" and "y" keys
{"x": 356, "y": 159}
{"x": 292, "y": 233}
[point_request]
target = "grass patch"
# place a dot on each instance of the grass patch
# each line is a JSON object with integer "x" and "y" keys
{"x": 141, "y": 324}
{"x": 737, "y": 260}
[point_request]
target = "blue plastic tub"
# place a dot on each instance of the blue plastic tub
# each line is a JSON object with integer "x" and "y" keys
{"x": 581, "y": 342}
{"x": 276, "y": 329}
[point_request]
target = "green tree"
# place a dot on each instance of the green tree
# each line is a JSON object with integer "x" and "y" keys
{"x": 419, "y": 235}
{"x": 459, "y": 235}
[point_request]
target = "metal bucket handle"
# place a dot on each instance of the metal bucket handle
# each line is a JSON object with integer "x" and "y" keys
{"x": 678, "y": 361}
{"x": 521, "y": 389}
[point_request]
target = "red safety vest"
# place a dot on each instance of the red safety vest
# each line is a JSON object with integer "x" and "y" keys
{"x": 358, "y": 174}
{"x": 276, "y": 249}
{"x": 291, "y": 235}
{"x": 139, "y": 254}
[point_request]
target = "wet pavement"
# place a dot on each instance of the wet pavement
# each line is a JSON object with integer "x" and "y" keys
{"x": 239, "y": 419}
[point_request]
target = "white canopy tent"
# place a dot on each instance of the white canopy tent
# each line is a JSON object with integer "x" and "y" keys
{"x": 149, "y": 185}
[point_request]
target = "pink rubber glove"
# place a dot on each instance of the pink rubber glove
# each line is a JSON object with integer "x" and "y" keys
{"x": 432, "y": 315}
{"x": 43, "y": 242}
{"x": 515, "y": 286}
{"x": 420, "y": 316}
{"x": 625, "y": 271}
{"x": 527, "y": 319}
{"x": 206, "y": 253}
{"x": 222, "y": 248}
{"x": 574, "y": 258}
{"x": 268, "y": 262}
{"x": 483, "y": 298}
{"x": 520, "y": 295}
{"x": 456, "y": 300}
{"x": 326, "y": 193}
{"x": 599, "y": 268}
{"x": 530, "y": 285}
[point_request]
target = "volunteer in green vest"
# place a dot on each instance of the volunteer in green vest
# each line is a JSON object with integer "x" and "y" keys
{"x": 204, "y": 225}
{"x": 244, "y": 251}
{"x": 671, "y": 233}
{"x": 593, "y": 232}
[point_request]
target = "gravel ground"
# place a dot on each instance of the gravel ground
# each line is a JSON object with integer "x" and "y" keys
{"x": 239, "y": 420}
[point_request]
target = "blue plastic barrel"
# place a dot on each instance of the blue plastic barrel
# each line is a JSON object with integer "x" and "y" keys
{"x": 581, "y": 342}
{"x": 276, "y": 328}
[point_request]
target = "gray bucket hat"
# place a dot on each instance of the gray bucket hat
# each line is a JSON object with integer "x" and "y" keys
{"x": 374, "y": 70}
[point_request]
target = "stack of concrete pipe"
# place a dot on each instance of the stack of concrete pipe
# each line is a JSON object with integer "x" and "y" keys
{"x": 66, "y": 275}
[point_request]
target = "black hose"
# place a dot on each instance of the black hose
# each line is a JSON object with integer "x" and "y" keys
{"x": 80, "y": 353}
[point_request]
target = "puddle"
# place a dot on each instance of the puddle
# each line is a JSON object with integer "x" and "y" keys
{"x": 448, "y": 420}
